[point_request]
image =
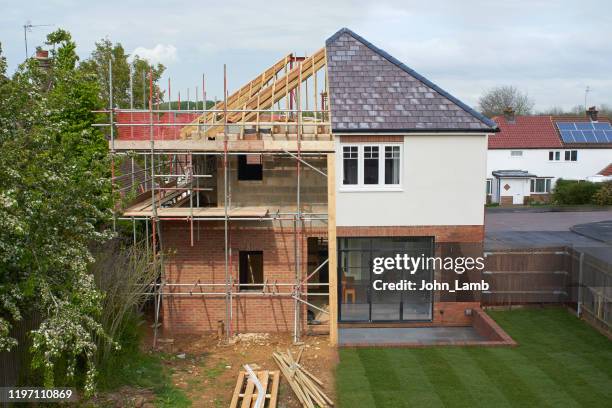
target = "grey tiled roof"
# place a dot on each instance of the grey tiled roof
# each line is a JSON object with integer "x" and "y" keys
{"x": 370, "y": 90}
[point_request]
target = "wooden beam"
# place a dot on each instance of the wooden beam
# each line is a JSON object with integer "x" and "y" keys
{"x": 237, "y": 99}
{"x": 332, "y": 252}
{"x": 266, "y": 97}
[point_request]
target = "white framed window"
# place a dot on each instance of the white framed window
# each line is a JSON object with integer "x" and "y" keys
{"x": 571, "y": 155}
{"x": 554, "y": 155}
{"x": 350, "y": 160}
{"x": 540, "y": 185}
{"x": 392, "y": 165}
{"x": 489, "y": 187}
{"x": 371, "y": 166}
{"x": 516, "y": 153}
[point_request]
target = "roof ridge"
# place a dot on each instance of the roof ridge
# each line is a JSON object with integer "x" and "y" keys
{"x": 487, "y": 121}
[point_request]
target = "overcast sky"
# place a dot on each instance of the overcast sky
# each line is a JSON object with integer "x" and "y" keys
{"x": 550, "y": 49}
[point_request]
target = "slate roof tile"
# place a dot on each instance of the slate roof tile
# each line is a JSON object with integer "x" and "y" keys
{"x": 385, "y": 94}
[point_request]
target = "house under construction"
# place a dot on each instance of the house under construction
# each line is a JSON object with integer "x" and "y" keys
{"x": 267, "y": 209}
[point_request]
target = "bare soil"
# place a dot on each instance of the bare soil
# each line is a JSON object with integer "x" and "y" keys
{"x": 207, "y": 369}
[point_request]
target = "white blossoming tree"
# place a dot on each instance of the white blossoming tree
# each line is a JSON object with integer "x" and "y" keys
{"x": 54, "y": 202}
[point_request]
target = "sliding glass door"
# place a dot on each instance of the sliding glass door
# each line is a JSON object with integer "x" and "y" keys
{"x": 360, "y": 302}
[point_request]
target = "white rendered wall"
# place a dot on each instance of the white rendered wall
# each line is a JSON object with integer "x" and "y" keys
{"x": 442, "y": 184}
{"x": 535, "y": 161}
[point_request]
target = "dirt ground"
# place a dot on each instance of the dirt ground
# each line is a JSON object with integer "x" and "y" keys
{"x": 207, "y": 369}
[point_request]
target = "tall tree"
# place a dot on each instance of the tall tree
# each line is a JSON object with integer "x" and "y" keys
{"x": 123, "y": 67}
{"x": 495, "y": 100}
{"x": 54, "y": 198}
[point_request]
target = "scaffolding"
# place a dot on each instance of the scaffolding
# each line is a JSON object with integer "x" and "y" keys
{"x": 168, "y": 170}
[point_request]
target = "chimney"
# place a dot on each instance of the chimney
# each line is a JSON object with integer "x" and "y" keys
{"x": 592, "y": 114}
{"x": 42, "y": 56}
{"x": 509, "y": 114}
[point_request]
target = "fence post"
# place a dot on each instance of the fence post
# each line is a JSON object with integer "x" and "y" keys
{"x": 580, "y": 265}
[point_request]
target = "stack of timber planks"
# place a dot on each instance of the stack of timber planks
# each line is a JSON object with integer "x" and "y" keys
{"x": 304, "y": 384}
{"x": 245, "y": 392}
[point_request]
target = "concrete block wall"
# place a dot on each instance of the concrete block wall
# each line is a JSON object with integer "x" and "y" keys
{"x": 278, "y": 185}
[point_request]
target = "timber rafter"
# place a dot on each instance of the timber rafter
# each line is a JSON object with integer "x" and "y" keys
{"x": 260, "y": 94}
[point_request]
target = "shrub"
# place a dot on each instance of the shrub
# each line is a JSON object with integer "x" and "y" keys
{"x": 603, "y": 196}
{"x": 574, "y": 192}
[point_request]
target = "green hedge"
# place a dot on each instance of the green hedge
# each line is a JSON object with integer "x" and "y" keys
{"x": 603, "y": 196}
{"x": 574, "y": 192}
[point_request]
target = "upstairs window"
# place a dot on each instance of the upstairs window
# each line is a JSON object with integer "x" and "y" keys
{"x": 249, "y": 168}
{"x": 516, "y": 153}
{"x": 571, "y": 155}
{"x": 554, "y": 156}
{"x": 371, "y": 166}
{"x": 392, "y": 165}
{"x": 350, "y": 160}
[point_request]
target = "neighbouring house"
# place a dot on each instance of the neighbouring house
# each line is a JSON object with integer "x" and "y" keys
{"x": 530, "y": 153}
{"x": 269, "y": 208}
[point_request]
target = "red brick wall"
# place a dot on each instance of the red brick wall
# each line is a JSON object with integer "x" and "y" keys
{"x": 489, "y": 329}
{"x": 205, "y": 261}
{"x": 453, "y": 313}
{"x": 505, "y": 200}
{"x": 538, "y": 198}
{"x": 442, "y": 233}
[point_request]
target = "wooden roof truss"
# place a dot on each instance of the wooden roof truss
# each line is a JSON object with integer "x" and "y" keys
{"x": 250, "y": 102}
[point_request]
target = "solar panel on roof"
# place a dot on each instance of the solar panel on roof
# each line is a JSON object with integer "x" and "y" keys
{"x": 578, "y": 136}
{"x": 589, "y": 136}
{"x": 602, "y": 125}
{"x": 567, "y": 137}
{"x": 600, "y": 135}
{"x": 565, "y": 126}
{"x": 584, "y": 125}
{"x": 585, "y": 132}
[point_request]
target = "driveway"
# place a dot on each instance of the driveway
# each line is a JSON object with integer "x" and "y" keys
{"x": 506, "y": 230}
{"x": 542, "y": 221}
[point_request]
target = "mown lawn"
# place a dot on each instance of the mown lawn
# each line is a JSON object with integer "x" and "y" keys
{"x": 560, "y": 362}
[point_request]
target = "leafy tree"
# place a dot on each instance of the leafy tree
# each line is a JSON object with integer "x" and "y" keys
{"x": 98, "y": 64}
{"x": 54, "y": 201}
{"x": 495, "y": 100}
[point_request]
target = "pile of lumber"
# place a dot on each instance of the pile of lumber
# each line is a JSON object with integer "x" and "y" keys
{"x": 245, "y": 392}
{"x": 304, "y": 384}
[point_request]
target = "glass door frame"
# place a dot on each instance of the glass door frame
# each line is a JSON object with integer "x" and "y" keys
{"x": 370, "y": 275}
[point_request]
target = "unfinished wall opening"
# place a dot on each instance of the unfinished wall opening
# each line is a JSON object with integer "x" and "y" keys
{"x": 318, "y": 269}
{"x": 250, "y": 167}
{"x": 250, "y": 269}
